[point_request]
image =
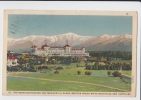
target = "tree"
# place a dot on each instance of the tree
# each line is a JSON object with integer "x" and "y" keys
{"x": 116, "y": 74}
{"x": 109, "y": 73}
{"x": 78, "y": 72}
{"x": 88, "y": 73}
{"x": 20, "y": 61}
{"x": 99, "y": 58}
{"x": 95, "y": 66}
{"x": 56, "y": 72}
{"x": 111, "y": 67}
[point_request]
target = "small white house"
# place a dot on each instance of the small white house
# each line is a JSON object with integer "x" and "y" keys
{"x": 12, "y": 61}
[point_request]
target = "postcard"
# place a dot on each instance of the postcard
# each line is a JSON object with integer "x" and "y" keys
{"x": 70, "y": 53}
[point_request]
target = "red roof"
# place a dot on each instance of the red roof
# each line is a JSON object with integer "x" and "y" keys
{"x": 11, "y": 57}
{"x": 45, "y": 45}
{"x": 33, "y": 47}
{"x": 67, "y": 45}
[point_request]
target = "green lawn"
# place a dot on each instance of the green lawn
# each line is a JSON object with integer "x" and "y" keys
{"x": 128, "y": 73}
{"x": 23, "y": 84}
{"x": 97, "y": 77}
{"x": 73, "y": 71}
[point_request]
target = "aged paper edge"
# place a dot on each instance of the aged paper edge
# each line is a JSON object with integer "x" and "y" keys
{"x": 72, "y": 12}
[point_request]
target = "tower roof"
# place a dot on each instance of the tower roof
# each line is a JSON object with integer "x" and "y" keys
{"x": 45, "y": 45}
{"x": 67, "y": 45}
{"x": 33, "y": 46}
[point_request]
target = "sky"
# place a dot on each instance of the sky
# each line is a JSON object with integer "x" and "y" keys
{"x": 86, "y": 25}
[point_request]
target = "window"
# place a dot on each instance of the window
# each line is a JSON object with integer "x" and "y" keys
{"x": 13, "y": 62}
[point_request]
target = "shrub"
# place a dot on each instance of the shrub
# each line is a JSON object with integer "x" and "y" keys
{"x": 39, "y": 67}
{"x": 25, "y": 69}
{"x": 14, "y": 68}
{"x": 78, "y": 72}
{"x": 56, "y": 72}
{"x": 88, "y": 73}
{"x": 31, "y": 70}
{"x": 109, "y": 73}
{"x": 44, "y": 67}
{"x": 116, "y": 74}
{"x": 59, "y": 68}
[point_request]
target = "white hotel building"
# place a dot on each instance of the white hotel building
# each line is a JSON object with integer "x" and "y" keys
{"x": 67, "y": 50}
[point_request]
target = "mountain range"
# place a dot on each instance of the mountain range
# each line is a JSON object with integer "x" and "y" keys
{"x": 91, "y": 43}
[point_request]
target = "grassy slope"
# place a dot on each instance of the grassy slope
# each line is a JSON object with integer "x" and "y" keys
{"x": 128, "y": 73}
{"x": 97, "y": 77}
{"x": 34, "y": 85}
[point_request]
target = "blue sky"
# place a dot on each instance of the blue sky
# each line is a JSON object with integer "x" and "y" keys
{"x": 48, "y": 25}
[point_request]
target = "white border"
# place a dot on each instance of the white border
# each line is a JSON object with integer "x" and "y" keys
{"x": 70, "y": 5}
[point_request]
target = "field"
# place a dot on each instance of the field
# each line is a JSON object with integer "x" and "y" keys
{"x": 68, "y": 80}
{"x": 35, "y": 85}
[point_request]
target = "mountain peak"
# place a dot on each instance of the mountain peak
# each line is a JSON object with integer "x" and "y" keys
{"x": 70, "y": 33}
{"x": 127, "y": 35}
{"x": 105, "y": 36}
{"x": 73, "y": 39}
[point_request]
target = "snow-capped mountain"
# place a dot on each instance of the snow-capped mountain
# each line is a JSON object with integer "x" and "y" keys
{"x": 109, "y": 43}
{"x": 103, "y": 42}
{"x": 59, "y": 40}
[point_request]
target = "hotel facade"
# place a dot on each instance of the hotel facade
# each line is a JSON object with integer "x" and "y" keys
{"x": 67, "y": 50}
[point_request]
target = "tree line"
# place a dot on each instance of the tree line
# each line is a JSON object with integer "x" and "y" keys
{"x": 111, "y": 54}
{"x": 113, "y": 66}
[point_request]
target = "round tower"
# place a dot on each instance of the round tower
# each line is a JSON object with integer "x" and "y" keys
{"x": 67, "y": 48}
{"x": 46, "y": 47}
